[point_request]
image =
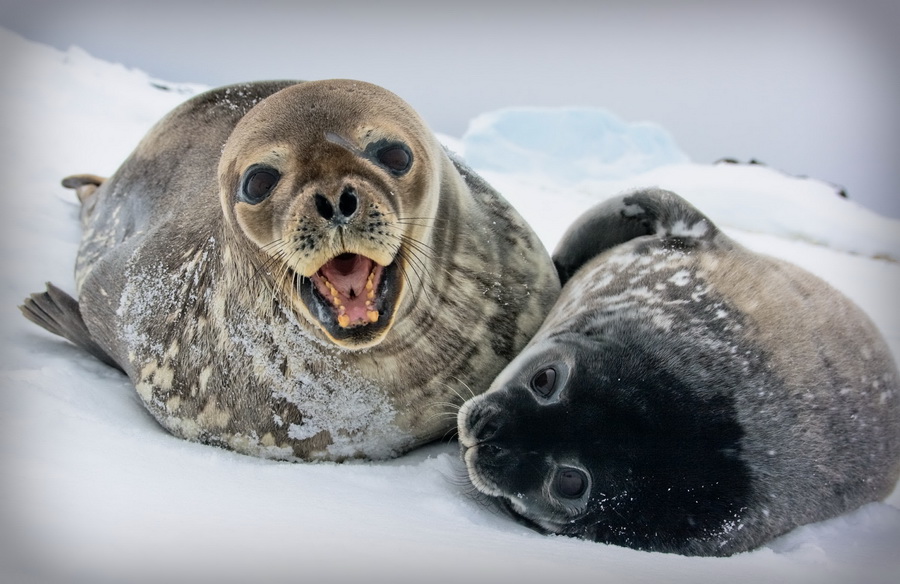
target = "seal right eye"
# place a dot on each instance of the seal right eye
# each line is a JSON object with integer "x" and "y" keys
{"x": 395, "y": 157}
{"x": 570, "y": 483}
{"x": 544, "y": 381}
{"x": 258, "y": 184}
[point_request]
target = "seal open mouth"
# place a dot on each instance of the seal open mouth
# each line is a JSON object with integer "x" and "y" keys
{"x": 352, "y": 296}
{"x": 349, "y": 282}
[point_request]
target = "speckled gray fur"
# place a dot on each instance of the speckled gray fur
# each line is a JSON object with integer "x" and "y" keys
{"x": 174, "y": 294}
{"x": 716, "y": 397}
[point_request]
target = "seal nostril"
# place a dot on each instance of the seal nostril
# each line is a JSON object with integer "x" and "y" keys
{"x": 485, "y": 424}
{"x": 348, "y": 202}
{"x": 323, "y": 207}
{"x": 489, "y": 429}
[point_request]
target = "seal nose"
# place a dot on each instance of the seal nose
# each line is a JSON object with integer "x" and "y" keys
{"x": 348, "y": 202}
{"x": 484, "y": 423}
{"x": 347, "y": 205}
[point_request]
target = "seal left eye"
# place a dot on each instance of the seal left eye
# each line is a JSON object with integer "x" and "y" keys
{"x": 544, "y": 381}
{"x": 258, "y": 184}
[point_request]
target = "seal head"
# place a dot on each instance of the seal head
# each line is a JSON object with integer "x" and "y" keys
{"x": 325, "y": 203}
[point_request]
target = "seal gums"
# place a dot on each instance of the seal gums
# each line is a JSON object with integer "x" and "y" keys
{"x": 352, "y": 296}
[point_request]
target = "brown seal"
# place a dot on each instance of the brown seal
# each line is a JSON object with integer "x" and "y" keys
{"x": 299, "y": 270}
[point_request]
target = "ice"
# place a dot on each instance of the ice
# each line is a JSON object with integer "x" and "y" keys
{"x": 568, "y": 145}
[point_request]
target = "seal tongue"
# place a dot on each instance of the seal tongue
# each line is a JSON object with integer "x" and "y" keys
{"x": 349, "y": 282}
{"x": 348, "y": 273}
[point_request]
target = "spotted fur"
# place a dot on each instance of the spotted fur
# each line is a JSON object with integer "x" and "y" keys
{"x": 706, "y": 398}
{"x": 192, "y": 292}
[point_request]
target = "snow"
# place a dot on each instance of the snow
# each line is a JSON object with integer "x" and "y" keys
{"x": 93, "y": 490}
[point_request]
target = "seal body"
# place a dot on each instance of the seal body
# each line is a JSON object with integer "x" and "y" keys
{"x": 685, "y": 394}
{"x": 299, "y": 270}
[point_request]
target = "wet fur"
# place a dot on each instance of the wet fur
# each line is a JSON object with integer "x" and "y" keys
{"x": 716, "y": 397}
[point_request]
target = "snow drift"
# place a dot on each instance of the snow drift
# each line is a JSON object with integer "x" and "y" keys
{"x": 94, "y": 491}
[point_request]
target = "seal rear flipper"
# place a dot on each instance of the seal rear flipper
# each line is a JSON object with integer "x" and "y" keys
{"x": 623, "y": 218}
{"x": 57, "y": 312}
{"x": 84, "y": 184}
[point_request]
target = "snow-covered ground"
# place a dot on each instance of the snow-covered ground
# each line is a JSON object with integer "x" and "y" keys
{"x": 94, "y": 491}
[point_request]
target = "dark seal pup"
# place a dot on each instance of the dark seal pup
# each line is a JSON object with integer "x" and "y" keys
{"x": 685, "y": 394}
{"x": 299, "y": 271}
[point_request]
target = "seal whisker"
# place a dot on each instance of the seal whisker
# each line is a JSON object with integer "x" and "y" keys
{"x": 420, "y": 268}
{"x": 419, "y": 248}
{"x": 466, "y": 385}
{"x": 398, "y": 217}
{"x": 413, "y": 265}
{"x": 415, "y": 245}
{"x": 283, "y": 276}
{"x": 456, "y": 392}
{"x": 444, "y": 415}
{"x": 436, "y": 225}
{"x": 264, "y": 267}
{"x": 271, "y": 259}
{"x": 416, "y": 253}
{"x": 451, "y": 404}
{"x": 450, "y": 435}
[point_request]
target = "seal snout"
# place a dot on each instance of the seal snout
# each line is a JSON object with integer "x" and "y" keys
{"x": 345, "y": 248}
{"x": 343, "y": 211}
{"x": 484, "y": 422}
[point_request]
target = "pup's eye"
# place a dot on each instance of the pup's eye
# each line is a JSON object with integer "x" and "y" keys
{"x": 258, "y": 184}
{"x": 395, "y": 157}
{"x": 570, "y": 483}
{"x": 544, "y": 381}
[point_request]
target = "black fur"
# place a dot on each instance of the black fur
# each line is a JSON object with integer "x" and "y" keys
{"x": 687, "y": 394}
{"x": 665, "y": 458}
{"x": 619, "y": 220}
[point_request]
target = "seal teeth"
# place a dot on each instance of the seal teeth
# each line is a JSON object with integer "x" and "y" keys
{"x": 370, "y": 288}
{"x": 345, "y": 311}
{"x": 371, "y": 313}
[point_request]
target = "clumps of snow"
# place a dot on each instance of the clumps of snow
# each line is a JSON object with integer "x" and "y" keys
{"x": 681, "y": 229}
{"x": 333, "y": 395}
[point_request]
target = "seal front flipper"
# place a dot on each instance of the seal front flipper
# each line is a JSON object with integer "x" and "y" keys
{"x": 84, "y": 184}
{"x": 623, "y": 218}
{"x": 57, "y": 312}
